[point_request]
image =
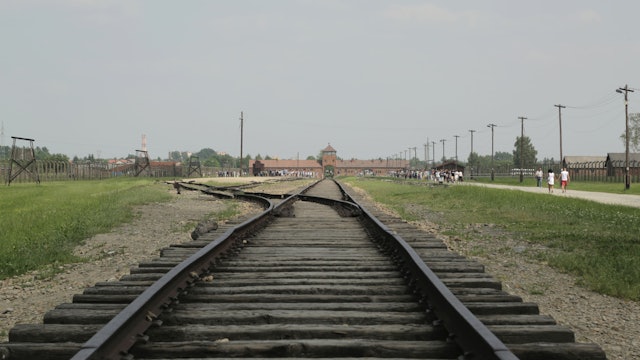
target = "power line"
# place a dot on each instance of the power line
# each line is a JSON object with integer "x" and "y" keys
{"x": 606, "y": 100}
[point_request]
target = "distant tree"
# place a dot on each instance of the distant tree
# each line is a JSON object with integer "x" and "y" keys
{"x": 211, "y": 162}
{"x": 268, "y": 157}
{"x": 44, "y": 154}
{"x": 473, "y": 160}
{"x": 206, "y": 153}
{"x": 634, "y": 133}
{"x": 41, "y": 153}
{"x": 258, "y": 157}
{"x": 176, "y": 156}
{"x": 311, "y": 157}
{"x": 245, "y": 161}
{"x": 548, "y": 162}
{"x": 502, "y": 156}
{"x": 528, "y": 154}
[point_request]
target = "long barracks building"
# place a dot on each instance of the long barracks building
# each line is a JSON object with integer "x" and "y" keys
{"x": 329, "y": 165}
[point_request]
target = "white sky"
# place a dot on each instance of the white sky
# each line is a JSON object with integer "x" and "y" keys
{"x": 371, "y": 77}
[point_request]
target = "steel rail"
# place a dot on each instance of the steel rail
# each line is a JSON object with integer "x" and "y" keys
{"x": 475, "y": 339}
{"x": 115, "y": 339}
{"x": 123, "y": 331}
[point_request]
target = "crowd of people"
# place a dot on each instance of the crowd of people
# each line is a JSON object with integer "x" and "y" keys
{"x": 435, "y": 175}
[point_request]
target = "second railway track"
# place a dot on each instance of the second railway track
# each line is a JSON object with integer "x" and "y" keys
{"x": 314, "y": 283}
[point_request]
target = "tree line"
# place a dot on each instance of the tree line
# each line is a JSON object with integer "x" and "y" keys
{"x": 211, "y": 158}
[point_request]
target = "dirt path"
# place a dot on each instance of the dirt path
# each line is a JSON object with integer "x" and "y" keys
{"x": 605, "y": 198}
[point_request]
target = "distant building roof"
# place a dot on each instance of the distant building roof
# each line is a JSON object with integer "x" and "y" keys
{"x": 373, "y": 163}
{"x": 635, "y": 157}
{"x": 583, "y": 159}
{"x": 329, "y": 148}
{"x": 288, "y": 164}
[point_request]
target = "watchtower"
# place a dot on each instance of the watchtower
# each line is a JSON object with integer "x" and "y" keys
{"x": 25, "y": 160}
{"x": 329, "y": 161}
{"x": 142, "y": 162}
{"x": 194, "y": 166}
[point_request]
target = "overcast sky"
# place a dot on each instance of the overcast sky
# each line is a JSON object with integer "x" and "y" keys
{"x": 372, "y": 78}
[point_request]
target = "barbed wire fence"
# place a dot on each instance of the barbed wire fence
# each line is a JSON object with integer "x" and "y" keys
{"x": 49, "y": 170}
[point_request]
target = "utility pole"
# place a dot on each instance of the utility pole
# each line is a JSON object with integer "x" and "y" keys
{"x": 560, "y": 107}
{"x": 492, "y": 170}
{"x": 2, "y": 155}
{"x": 443, "y": 158}
{"x": 471, "y": 154}
{"x": 426, "y": 154}
{"x": 627, "y": 181}
{"x": 456, "y": 136}
{"x": 241, "y": 140}
{"x": 433, "y": 146}
{"x": 415, "y": 155}
{"x": 522, "y": 119}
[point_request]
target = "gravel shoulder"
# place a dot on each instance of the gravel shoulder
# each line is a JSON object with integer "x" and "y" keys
{"x": 612, "y": 323}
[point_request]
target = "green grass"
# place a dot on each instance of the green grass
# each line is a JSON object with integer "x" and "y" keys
{"x": 41, "y": 224}
{"x": 598, "y": 243}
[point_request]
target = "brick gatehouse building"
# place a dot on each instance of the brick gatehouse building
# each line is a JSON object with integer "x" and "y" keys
{"x": 329, "y": 165}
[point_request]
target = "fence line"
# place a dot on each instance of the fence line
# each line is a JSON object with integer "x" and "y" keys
{"x": 66, "y": 171}
{"x": 598, "y": 171}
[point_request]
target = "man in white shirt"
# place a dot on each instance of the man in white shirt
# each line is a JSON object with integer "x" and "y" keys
{"x": 539, "y": 177}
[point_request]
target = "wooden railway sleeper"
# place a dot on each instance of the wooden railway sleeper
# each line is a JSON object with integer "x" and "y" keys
{"x": 386, "y": 241}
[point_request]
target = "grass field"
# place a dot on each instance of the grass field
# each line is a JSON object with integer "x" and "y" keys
{"x": 600, "y": 244}
{"x": 41, "y": 224}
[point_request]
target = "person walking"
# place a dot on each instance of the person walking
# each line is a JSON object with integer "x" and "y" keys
{"x": 538, "y": 176}
{"x": 564, "y": 179}
{"x": 551, "y": 177}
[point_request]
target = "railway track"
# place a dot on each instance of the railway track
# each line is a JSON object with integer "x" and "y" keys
{"x": 314, "y": 276}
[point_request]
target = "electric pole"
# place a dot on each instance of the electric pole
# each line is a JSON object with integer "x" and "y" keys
{"x": 471, "y": 154}
{"x": 241, "y": 140}
{"x": 443, "y": 158}
{"x": 560, "y": 107}
{"x": 522, "y": 119}
{"x": 627, "y": 181}
{"x": 433, "y": 146}
{"x": 456, "y": 136}
{"x": 492, "y": 170}
{"x": 426, "y": 154}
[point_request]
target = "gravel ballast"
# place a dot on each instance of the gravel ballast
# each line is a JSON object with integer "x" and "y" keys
{"x": 612, "y": 323}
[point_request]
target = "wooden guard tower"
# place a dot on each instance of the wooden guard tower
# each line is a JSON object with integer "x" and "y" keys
{"x": 194, "y": 166}
{"x": 25, "y": 160}
{"x": 142, "y": 162}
